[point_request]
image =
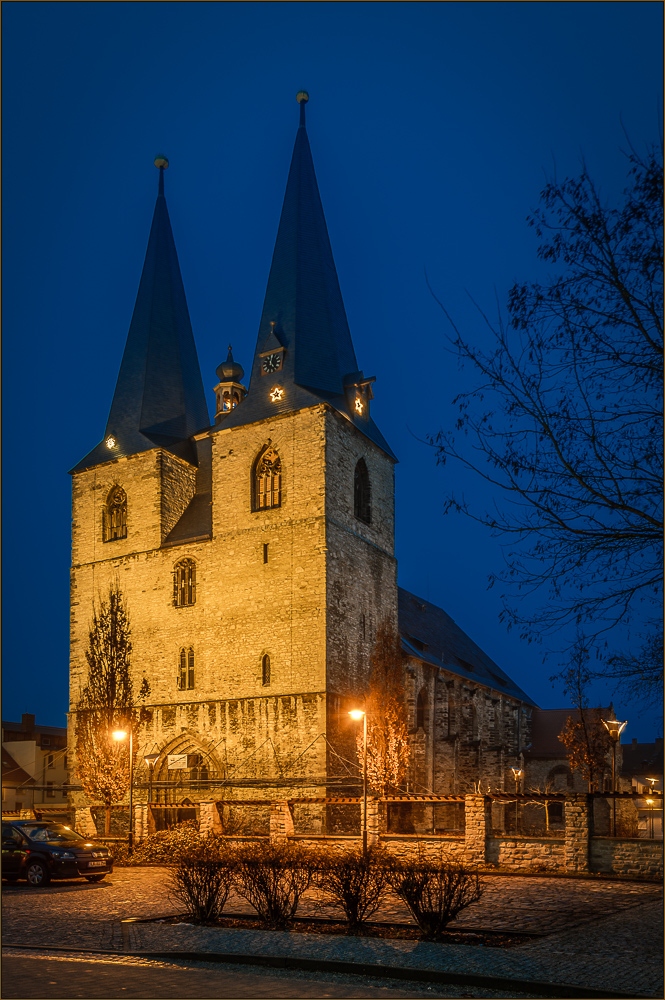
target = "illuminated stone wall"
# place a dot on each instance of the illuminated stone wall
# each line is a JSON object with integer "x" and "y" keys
{"x": 471, "y": 733}
{"x": 302, "y": 607}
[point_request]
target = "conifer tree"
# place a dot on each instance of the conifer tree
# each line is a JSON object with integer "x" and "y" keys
{"x": 106, "y": 704}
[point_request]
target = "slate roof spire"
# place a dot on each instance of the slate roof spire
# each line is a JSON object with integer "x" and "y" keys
{"x": 159, "y": 399}
{"x": 303, "y": 312}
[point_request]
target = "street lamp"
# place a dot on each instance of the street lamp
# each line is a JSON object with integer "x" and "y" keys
{"x": 615, "y": 729}
{"x": 650, "y": 805}
{"x": 517, "y": 774}
{"x": 357, "y": 714}
{"x": 119, "y": 735}
{"x": 150, "y": 759}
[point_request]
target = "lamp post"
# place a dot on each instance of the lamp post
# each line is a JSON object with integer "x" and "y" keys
{"x": 615, "y": 729}
{"x": 357, "y": 714}
{"x": 150, "y": 759}
{"x": 119, "y": 735}
{"x": 517, "y": 774}
{"x": 650, "y": 805}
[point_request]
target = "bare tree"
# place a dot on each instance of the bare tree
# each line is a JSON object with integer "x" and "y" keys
{"x": 566, "y": 417}
{"x": 388, "y": 748}
{"x": 106, "y": 703}
{"x": 588, "y": 743}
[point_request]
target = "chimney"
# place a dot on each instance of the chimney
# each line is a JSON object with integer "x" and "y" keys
{"x": 27, "y": 722}
{"x": 634, "y": 741}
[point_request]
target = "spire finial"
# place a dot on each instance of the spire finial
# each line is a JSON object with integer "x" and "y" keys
{"x": 162, "y": 163}
{"x": 302, "y": 98}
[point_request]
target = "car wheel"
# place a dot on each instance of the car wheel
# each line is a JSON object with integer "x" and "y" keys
{"x": 37, "y": 874}
{"x": 95, "y": 878}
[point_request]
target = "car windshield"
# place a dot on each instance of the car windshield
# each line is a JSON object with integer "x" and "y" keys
{"x": 51, "y": 833}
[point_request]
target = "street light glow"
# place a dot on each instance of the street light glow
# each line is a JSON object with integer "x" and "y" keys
{"x": 356, "y": 713}
{"x": 119, "y": 734}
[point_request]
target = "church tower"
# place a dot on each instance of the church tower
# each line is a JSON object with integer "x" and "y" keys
{"x": 256, "y": 554}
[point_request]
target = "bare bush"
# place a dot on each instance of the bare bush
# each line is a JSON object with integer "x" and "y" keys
{"x": 356, "y": 882}
{"x": 435, "y": 892}
{"x": 201, "y": 877}
{"x": 272, "y": 878}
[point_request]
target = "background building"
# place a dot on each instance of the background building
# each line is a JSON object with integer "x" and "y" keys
{"x": 34, "y": 764}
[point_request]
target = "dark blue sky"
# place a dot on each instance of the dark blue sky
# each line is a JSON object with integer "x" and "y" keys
{"x": 433, "y": 128}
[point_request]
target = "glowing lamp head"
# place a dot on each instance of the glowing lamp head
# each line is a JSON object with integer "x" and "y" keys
{"x": 356, "y": 714}
{"x": 119, "y": 734}
{"x": 110, "y": 442}
{"x": 649, "y": 802}
{"x": 614, "y": 727}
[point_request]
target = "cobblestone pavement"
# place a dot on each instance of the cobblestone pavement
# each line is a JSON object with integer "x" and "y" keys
{"x": 71, "y": 977}
{"x": 509, "y": 903}
{"x": 598, "y": 933}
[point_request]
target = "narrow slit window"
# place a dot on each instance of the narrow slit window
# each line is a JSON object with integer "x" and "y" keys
{"x": 265, "y": 669}
{"x": 421, "y": 710}
{"x": 265, "y": 552}
{"x": 362, "y": 501}
{"x": 190, "y": 669}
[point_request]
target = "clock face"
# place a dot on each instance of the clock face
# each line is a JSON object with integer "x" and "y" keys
{"x": 272, "y": 363}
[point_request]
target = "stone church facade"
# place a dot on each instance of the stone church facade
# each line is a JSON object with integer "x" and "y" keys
{"x": 256, "y": 554}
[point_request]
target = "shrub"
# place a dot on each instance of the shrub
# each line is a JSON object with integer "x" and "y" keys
{"x": 435, "y": 892}
{"x": 201, "y": 877}
{"x": 272, "y": 878}
{"x": 160, "y": 848}
{"x": 356, "y": 882}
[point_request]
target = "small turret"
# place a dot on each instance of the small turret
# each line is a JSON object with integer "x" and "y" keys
{"x": 229, "y": 391}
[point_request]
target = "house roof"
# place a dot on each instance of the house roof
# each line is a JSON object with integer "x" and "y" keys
{"x": 431, "y": 635}
{"x": 159, "y": 400}
{"x": 13, "y": 773}
{"x": 642, "y": 759}
{"x": 547, "y": 724}
{"x": 303, "y": 313}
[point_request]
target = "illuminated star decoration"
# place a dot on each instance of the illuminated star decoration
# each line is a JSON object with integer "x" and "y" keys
{"x": 110, "y": 441}
{"x": 359, "y": 405}
{"x": 276, "y": 394}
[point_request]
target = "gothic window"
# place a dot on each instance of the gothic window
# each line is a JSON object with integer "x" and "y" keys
{"x": 115, "y": 515}
{"x": 421, "y": 710}
{"x": 184, "y": 583}
{"x": 265, "y": 669}
{"x": 267, "y": 480}
{"x": 186, "y": 669}
{"x": 362, "y": 504}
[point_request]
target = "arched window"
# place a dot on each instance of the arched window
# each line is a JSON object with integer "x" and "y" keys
{"x": 362, "y": 501}
{"x": 421, "y": 710}
{"x": 184, "y": 583}
{"x": 267, "y": 480}
{"x": 115, "y": 515}
{"x": 265, "y": 669}
{"x": 186, "y": 671}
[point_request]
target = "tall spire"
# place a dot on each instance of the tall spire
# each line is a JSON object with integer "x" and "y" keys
{"x": 159, "y": 400}
{"x": 304, "y": 337}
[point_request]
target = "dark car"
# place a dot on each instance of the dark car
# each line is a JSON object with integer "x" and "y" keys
{"x": 40, "y": 851}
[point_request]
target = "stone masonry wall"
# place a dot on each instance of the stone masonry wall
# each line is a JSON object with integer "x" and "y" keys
{"x": 612, "y": 856}
{"x": 526, "y": 854}
{"x": 293, "y": 607}
{"x": 178, "y": 488}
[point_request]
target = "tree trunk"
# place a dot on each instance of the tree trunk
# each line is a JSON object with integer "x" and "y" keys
{"x": 107, "y": 820}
